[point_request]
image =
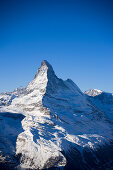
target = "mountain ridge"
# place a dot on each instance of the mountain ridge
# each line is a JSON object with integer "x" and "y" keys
{"x": 59, "y": 121}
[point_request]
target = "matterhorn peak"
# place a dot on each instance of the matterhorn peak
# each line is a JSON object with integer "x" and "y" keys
{"x": 47, "y": 80}
{"x": 45, "y": 68}
{"x": 46, "y": 63}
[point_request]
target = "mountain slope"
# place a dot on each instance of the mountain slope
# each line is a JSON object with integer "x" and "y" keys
{"x": 61, "y": 124}
{"x": 103, "y": 101}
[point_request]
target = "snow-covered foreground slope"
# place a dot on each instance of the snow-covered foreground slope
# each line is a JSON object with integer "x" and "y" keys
{"x": 61, "y": 125}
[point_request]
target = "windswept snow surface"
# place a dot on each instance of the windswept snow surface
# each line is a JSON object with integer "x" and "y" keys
{"x": 58, "y": 116}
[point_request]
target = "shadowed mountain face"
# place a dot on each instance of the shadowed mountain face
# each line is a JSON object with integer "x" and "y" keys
{"x": 103, "y": 101}
{"x": 62, "y": 127}
{"x": 10, "y": 128}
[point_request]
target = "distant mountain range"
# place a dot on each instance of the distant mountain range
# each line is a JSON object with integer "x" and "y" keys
{"x": 52, "y": 124}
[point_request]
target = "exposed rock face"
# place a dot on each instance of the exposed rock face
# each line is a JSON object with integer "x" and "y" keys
{"x": 62, "y": 127}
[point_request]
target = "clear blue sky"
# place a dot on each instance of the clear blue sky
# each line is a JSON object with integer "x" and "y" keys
{"x": 75, "y": 36}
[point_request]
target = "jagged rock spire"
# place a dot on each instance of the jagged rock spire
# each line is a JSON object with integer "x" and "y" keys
{"x": 45, "y": 67}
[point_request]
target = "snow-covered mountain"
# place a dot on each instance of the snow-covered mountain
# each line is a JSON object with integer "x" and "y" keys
{"x": 60, "y": 127}
{"x": 93, "y": 92}
{"x": 102, "y": 100}
{"x": 6, "y": 98}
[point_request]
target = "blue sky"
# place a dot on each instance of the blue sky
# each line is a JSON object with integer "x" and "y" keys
{"x": 75, "y": 36}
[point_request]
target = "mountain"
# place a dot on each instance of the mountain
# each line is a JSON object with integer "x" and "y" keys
{"x": 53, "y": 124}
{"x": 6, "y": 98}
{"x": 102, "y": 100}
{"x": 93, "y": 92}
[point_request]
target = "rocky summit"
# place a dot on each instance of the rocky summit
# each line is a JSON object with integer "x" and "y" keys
{"x": 52, "y": 124}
